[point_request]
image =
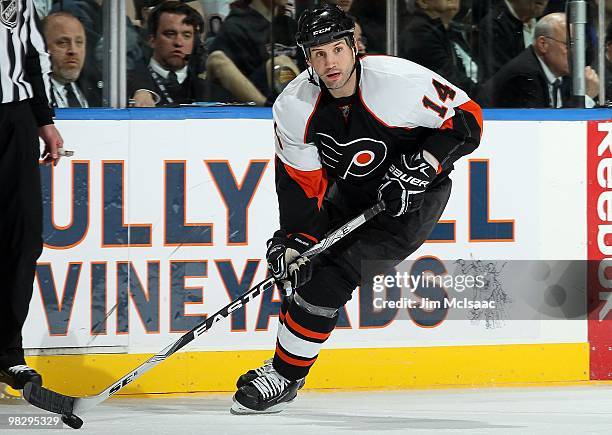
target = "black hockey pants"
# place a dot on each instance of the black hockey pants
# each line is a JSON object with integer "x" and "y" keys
{"x": 385, "y": 240}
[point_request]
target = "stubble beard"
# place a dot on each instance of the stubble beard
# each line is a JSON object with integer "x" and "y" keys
{"x": 67, "y": 75}
{"x": 338, "y": 85}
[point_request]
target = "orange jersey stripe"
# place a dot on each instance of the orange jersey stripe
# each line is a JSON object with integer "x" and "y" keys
{"x": 305, "y": 332}
{"x": 448, "y": 124}
{"x": 473, "y": 108}
{"x": 313, "y": 183}
{"x": 293, "y": 361}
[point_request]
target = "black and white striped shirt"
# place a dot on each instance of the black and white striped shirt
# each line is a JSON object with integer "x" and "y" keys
{"x": 24, "y": 62}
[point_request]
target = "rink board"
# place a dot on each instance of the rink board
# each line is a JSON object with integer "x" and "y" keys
{"x": 377, "y": 368}
{"x": 162, "y": 216}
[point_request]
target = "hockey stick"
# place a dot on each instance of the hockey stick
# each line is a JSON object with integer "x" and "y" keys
{"x": 67, "y": 405}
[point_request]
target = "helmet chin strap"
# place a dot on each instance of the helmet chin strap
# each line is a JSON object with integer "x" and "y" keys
{"x": 311, "y": 75}
{"x": 354, "y": 63}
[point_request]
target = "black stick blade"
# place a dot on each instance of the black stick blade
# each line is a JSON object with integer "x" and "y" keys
{"x": 47, "y": 399}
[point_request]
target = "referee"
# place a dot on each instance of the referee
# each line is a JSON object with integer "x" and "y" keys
{"x": 25, "y": 116}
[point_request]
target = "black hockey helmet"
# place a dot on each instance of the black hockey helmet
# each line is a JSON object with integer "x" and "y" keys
{"x": 323, "y": 25}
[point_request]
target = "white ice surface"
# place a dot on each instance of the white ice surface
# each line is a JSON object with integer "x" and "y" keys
{"x": 538, "y": 410}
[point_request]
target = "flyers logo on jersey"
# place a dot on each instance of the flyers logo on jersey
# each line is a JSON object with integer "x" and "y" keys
{"x": 355, "y": 159}
{"x": 8, "y": 13}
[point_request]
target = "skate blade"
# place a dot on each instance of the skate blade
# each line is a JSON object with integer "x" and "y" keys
{"x": 9, "y": 393}
{"x": 238, "y": 409}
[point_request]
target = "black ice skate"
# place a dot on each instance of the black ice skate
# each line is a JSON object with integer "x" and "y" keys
{"x": 18, "y": 376}
{"x": 268, "y": 393}
{"x": 247, "y": 377}
{"x": 252, "y": 374}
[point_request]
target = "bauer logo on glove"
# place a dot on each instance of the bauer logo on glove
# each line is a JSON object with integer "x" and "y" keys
{"x": 405, "y": 181}
{"x": 408, "y": 178}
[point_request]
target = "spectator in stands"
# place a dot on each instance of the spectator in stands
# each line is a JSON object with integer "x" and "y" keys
{"x": 142, "y": 9}
{"x": 505, "y": 32}
{"x": 480, "y": 8}
{"x": 592, "y": 9}
{"x": 171, "y": 77}
{"x": 461, "y": 35}
{"x": 214, "y": 12}
{"x": 89, "y": 13}
{"x": 371, "y": 15}
{"x": 426, "y": 41}
{"x": 214, "y": 26}
{"x": 360, "y": 40}
{"x": 465, "y": 11}
{"x": 65, "y": 37}
{"x": 240, "y": 55}
{"x": 535, "y": 77}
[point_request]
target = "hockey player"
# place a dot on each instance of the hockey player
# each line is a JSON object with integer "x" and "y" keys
{"x": 350, "y": 131}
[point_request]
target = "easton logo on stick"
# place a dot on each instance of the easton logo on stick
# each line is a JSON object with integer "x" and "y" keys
{"x": 256, "y": 291}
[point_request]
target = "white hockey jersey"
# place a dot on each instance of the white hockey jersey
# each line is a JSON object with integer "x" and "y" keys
{"x": 399, "y": 108}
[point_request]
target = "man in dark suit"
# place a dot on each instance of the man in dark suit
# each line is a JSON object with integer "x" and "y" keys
{"x": 172, "y": 76}
{"x": 535, "y": 77}
{"x": 241, "y": 53}
{"x": 65, "y": 37}
{"x": 426, "y": 40}
{"x": 505, "y": 32}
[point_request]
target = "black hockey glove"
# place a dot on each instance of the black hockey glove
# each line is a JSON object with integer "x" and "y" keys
{"x": 404, "y": 183}
{"x": 288, "y": 267}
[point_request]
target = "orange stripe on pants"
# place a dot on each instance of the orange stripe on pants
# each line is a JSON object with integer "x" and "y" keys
{"x": 305, "y": 332}
{"x": 293, "y": 361}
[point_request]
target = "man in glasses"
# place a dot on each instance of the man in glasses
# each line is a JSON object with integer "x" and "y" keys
{"x": 537, "y": 77}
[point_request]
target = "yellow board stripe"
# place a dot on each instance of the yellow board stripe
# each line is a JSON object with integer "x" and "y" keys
{"x": 388, "y": 368}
